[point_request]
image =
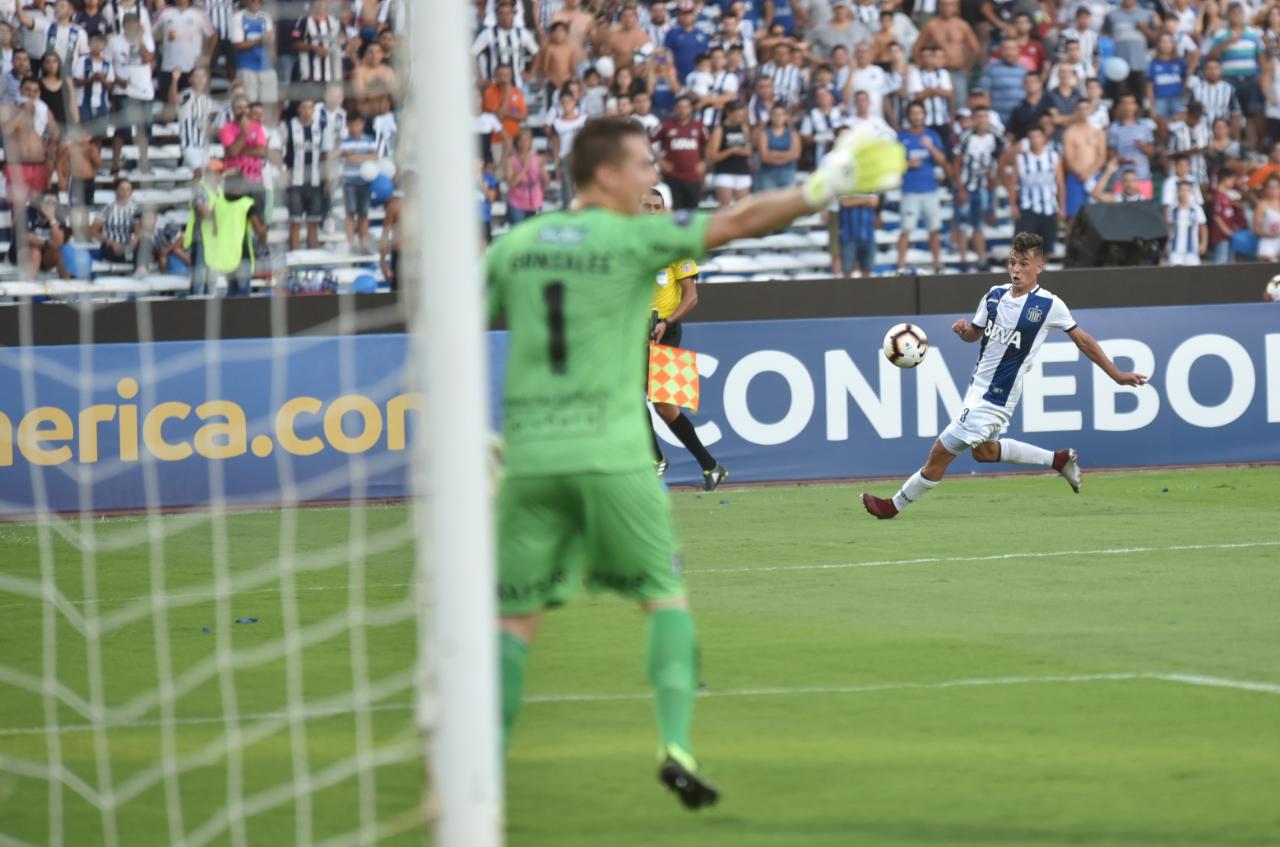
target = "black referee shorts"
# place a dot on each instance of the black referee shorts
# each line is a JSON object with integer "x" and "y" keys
{"x": 671, "y": 337}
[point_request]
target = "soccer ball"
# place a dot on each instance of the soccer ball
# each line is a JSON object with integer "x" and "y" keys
{"x": 905, "y": 345}
{"x": 1273, "y": 290}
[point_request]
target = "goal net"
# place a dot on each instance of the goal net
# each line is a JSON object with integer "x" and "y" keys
{"x": 245, "y": 581}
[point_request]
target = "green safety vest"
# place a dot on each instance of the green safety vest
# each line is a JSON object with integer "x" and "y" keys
{"x": 225, "y": 244}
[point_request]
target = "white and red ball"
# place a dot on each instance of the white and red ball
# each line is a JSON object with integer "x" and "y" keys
{"x": 905, "y": 345}
{"x": 1272, "y": 292}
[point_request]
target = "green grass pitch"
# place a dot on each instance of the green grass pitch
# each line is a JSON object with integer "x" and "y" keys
{"x": 1007, "y": 664}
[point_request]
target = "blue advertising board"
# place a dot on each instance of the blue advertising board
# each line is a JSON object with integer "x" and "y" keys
{"x": 122, "y": 426}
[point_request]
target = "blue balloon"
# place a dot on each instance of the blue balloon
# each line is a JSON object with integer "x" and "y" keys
{"x": 365, "y": 284}
{"x": 78, "y": 261}
{"x": 1245, "y": 243}
{"x": 382, "y": 188}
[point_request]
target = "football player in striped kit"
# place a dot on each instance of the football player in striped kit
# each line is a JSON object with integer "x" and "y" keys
{"x": 1012, "y": 320}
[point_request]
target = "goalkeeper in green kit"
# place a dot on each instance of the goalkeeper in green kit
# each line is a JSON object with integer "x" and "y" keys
{"x": 579, "y": 501}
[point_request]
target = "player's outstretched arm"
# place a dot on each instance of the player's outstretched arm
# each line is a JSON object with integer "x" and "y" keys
{"x": 966, "y": 329}
{"x": 1094, "y": 352}
{"x": 862, "y": 162}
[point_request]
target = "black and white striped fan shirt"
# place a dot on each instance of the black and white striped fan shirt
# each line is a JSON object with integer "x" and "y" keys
{"x": 1184, "y": 137}
{"x": 721, "y": 83}
{"x": 220, "y": 12}
{"x": 496, "y": 46}
{"x": 1184, "y": 234}
{"x": 194, "y": 114}
{"x": 304, "y": 151}
{"x": 868, "y": 14}
{"x": 322, "y": 32}
{"x": 925, "y": 7}
{"x": 1218, "y": 98}
{"x": 788, "y": 82}
{"x": 978, "y": 155}
{"x": 822, "y": 128}
{"x": 937, "y": 110}
{"x": 1038, "y": 182}
{"x": 118, "y": 221}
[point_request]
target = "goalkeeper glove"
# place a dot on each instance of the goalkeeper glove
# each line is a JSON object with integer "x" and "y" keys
{"x": 862, "y": 162}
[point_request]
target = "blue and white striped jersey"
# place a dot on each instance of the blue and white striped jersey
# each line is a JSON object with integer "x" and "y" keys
{"x": 1013, "y": 328}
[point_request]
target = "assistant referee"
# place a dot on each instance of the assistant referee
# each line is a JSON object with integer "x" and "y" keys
{"x": 674, "y": 297}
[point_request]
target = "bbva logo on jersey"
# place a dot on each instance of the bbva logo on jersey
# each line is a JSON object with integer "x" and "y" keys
{"x": 1011, "y": 337}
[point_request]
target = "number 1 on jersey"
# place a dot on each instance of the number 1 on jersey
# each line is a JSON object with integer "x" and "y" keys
{"x": 553, "y": 295}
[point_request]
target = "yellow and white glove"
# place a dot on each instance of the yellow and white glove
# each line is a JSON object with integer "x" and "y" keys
{"x": 861, "y": 162}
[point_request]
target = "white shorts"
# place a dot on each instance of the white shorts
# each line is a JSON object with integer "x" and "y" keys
{"x": 1269, "y": 248}
{"x": 921, "y": 207}
{"x": 735, "y": 182}
{"x": 977, "y": 423}
{"x": 260, "y": 86}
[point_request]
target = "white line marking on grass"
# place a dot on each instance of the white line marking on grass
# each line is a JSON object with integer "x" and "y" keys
{"x": 801, "y": 691}
{"x": 996, "y": 557}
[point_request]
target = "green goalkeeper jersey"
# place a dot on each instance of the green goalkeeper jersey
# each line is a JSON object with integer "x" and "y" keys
{"x": 575, "y": 289}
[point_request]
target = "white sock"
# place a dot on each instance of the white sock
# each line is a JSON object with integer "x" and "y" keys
{"x": 912, "y": 490}
{"x": 1022, "y": 453}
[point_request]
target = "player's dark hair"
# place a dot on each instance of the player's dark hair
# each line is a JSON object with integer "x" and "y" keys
{"x": 600, "y": 142}
{"x": 1028, "y": 243}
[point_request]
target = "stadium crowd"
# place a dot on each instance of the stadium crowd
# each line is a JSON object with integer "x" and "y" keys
{"x": 264, "y": 101}
{"x": 1052, "y": 105}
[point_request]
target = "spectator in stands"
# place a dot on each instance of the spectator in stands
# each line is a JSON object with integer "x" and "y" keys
{"x": 868, "y": 77}
{"x": 195, "y": 113}
{"x": 778, "y": 147}
{"x": 505, "y": 99}
{"x": 1132, "y": 28}
{"x": 660, "y": 23}
{"x": 122, "y": 9}
{"x": 1224, "y": 152}
{"x": 45, "y": 233}
{"x": 1181, "y": 167}
{"x": 200, "y": 221}
{"x": 762, "y": 100}
{"x": 374, "y": 85}
{"x": 95, "y": 20}
{"x": 819, "y": 126}
{"x": 6, "y": 46}
{"x": 1003, "y": 80}
{"x": 64, "y": 37}
{"x": 1027, "y": 113}
{"x": 1084, "y": 34}
{"x": 389, "y": 241}
{"x": 1064, "y": 100}
{"x": 527, "y": 179}
{"x": 1166, "y": 84}
{"x": 252, "y": 33}
{"x": 642, "y": 113}
{"x": 856, "y": 227}
{"x": 319, "y": 40}
{"x": 955, "y": 38}
{"x": 1128, "y": 189}
{"x": 558, "y": 59}
{"x": 731, "y": 37}
{"x": 94, "y": 76}
{"x": 244, "y": 142}
{"x": 842, "y": 30}
{"x": 171, "y": 257}
{"x": 563, "y": 130}
{"x": 1240, "y": 48}
{"x": 34, "y": 20}
{"x": 1189, "y": 137}
{"x": 187, "y": 39}
{"x": 974, "y": 167}
{"x": 1133, "y": 142}
{"x": 118, "y": 226}
{"x": 920, "y": 201}
{"x": 1216, "y": 95}
{"x": 1031, "y": 53}
{"x": 1188, "y": 227}
{"x": 1084, "y": 154}
{"x": 1037, "y": 184}
{"x": 579, "y": 21}
{"x": 20, "y": 70}
{"x": 78, "y": 164}
{"x": 595, "y": 94}
{"x": 682, "y": 142}
{"x": 356, "y": 150}
{"x": 624, "y": 40}
{"x": 57, "y": 92}
{"x": 305, "y": 156}
{"x": 686, "y": 40}
{"x": 1072, "y": 59}
{"x": 729, "y": 151}
{"x": 1228, "y": 217}
{"x": 1266, "y": 220}
{"x": 931, "y": 85}
{"x": 131, "y": 53}
{"x": 863, "y": 116}
{"x": 31, "y": 144}
{"x": 663, "y": 84}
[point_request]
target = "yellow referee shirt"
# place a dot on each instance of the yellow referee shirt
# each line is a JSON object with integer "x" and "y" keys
{"x": 667, "y": 294}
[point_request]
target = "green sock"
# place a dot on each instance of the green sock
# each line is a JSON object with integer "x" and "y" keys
{"x": 673, "y": 673}
{"x": 513, "y": 653}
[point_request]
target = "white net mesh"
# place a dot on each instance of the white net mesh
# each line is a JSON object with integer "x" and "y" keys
{"x": 222, "y": 675}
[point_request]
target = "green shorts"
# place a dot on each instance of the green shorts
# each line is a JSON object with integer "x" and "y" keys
{"x": 612, "y": 531}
